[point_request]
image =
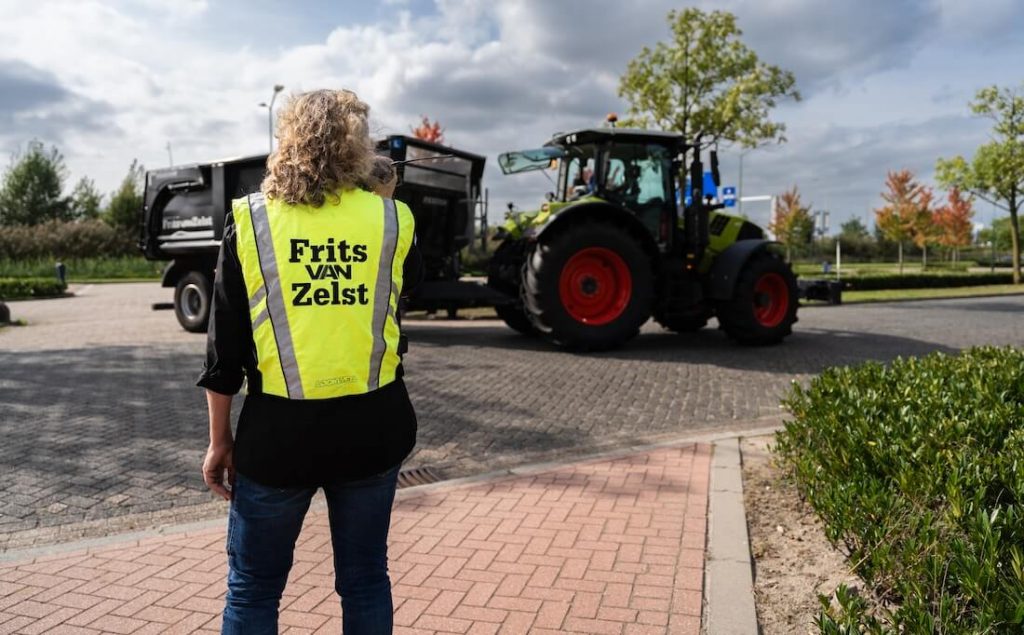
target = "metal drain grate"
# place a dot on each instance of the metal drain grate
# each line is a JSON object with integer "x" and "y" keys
{"x": 417, "y": 476}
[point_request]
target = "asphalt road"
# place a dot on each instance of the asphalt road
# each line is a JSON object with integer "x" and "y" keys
{"x": 103, "y": 429}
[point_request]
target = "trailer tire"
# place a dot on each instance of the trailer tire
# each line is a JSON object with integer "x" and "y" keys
{"x": 589, "y": 286}
{"x": 193, "y": 298}
{"x": 763, "y": 308}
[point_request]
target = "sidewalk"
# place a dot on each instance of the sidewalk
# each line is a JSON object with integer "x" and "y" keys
{"x": 613, "y": 545}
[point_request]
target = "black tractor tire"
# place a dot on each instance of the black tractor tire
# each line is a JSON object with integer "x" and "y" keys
{"x": 504, "y": 274}
{"x": 193, "y": 298}
{"x": 763, "y": 308}
{"x": 684, "y": 323}
{"x": 589, "y": 287}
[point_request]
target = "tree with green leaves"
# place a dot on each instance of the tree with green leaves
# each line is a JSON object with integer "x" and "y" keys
{"x": 996, "y": 172}
{"x": 856, "y": 238}
{"x": 86, "y": 200}
{"x": 706, "y": 84}
{"x": 31, "y": 191}
{"x": 125, "y": 208}
{"x": 854, "y": 230}
{"x": 998, "y": 233}
{"x": 792, "y": 223}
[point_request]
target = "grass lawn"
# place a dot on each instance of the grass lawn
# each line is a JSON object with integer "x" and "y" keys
{"x": 854, "y": 269}
{"x": 895, "y": 295}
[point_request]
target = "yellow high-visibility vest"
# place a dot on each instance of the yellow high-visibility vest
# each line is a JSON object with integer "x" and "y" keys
{"x": 323, "y": 287}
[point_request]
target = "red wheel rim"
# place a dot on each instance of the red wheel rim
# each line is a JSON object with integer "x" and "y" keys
{"x": 771, "y": 300}
{"x": 595, "y": 286}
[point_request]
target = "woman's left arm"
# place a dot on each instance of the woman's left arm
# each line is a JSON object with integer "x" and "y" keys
{"x": 223, "y": 373}
{"x": 219, "y": 462}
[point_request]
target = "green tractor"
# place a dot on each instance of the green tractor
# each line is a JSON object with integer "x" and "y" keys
{"x": 614, "y": 246}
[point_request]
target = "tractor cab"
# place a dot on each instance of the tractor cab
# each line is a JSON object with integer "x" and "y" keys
{"x": 636, "y": 170}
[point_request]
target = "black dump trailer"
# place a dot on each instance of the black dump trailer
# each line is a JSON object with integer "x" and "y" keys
{"x": 184, "y": 210}
{"x": 441, "y": 186}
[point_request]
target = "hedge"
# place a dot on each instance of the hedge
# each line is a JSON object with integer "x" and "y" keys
{"x": 925, "y": 281}
{"x": 917, "y": 469}
{"x": 63, "y": 240}
{"x": 20, "y": 288}
{"x": 84, "y": 268}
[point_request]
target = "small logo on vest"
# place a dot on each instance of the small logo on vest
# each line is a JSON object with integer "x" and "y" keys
{"x": 334, "y": 381}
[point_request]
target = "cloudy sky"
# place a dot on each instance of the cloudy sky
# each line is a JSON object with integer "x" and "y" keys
{"x": 885, "y": 82}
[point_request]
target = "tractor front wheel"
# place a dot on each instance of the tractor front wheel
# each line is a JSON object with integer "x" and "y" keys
{"x": 504, "y": 274}
{"x": 763, "y": 308}
{"x": 589, "y": 287}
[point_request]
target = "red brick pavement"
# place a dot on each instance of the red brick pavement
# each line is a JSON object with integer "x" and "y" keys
{"x": 606, "y": 546}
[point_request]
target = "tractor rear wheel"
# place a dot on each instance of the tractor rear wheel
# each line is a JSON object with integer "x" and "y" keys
{"x": 763, "y": 308}
{"x": 504, "y": 274}
{"x": 588, "y": 287}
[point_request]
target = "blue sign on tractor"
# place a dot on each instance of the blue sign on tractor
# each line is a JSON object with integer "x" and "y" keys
{"x": 710, "y": 189}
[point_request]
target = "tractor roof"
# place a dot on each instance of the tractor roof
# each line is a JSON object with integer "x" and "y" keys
{"x": 592, "y": 135}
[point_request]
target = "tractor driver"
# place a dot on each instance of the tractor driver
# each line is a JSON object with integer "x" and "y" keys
{"x": 583, "y": 184}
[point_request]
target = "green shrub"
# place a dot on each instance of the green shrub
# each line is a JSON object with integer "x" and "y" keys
{"x": 918, "y": 470}
{"x": 84, "y": 268}
{"x": 20, "y": 288}
{"x": 925, "y": 281}
{"x": 64, "y": 240}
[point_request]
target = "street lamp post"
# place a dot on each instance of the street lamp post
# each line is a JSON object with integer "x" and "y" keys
{"x": 270, "y": 114}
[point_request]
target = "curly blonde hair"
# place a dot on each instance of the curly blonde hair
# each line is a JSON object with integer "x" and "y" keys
{"x": 324, "y": 147}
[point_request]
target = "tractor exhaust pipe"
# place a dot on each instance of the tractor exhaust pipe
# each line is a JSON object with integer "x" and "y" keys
{"x": 697, "y": 213}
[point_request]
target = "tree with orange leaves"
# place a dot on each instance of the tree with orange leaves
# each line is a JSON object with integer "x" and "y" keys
{"x": 954, "y": 221}
{"x": 429, "y": 131}
{"x": 792, "y": 223}
{"x": 924, "y": 224}
{"x": 900, "y": 219}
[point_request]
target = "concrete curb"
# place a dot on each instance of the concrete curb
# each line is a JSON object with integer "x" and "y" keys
{"x": 728, "y": 567}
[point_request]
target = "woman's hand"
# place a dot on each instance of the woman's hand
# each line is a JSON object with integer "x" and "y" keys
{"x": 219, "y": 457}
{"x": 219, "y": 461}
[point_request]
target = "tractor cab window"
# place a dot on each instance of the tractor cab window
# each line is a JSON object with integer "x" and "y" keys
{"x": 637, "y": 175}
{"x": 576, "y": 173}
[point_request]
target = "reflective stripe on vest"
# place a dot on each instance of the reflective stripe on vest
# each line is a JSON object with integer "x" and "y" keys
{"x": 382, "y": 301}
{"x": 275, "y": 298}
{"x": 323, "y": 287}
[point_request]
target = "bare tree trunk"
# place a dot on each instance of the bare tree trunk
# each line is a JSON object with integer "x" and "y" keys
{"x": 924, "y": 256}
{"x": 901, "y": 257}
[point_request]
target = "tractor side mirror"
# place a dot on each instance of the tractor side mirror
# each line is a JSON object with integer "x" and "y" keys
{"x": 715, "y": 174}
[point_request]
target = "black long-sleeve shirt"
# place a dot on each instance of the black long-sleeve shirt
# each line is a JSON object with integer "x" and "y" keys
{"x": 299, "y": 443}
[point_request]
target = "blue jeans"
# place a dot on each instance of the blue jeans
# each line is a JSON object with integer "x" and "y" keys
{"x": 263, "y": 526}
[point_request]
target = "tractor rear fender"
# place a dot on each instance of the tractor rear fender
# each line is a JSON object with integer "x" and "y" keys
{"x": 600, "y": 211}
{"x": 727, "y": 266}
